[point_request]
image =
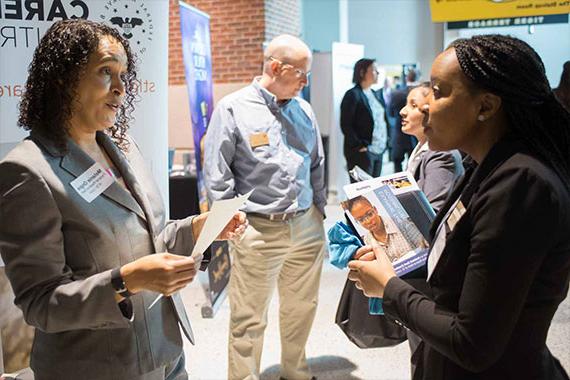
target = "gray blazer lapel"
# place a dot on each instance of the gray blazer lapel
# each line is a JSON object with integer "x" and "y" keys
{"x": 76, "y": 162}
{"x": 182, "y": 316}
{"x": 129, "y": 176}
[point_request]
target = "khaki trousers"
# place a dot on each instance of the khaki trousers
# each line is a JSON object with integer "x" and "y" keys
{"x": 287, "y": 255}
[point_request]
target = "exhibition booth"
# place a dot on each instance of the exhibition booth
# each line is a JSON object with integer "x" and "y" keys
{"x": 170, "y": 120}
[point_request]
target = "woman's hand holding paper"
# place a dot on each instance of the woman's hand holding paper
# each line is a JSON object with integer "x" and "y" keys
{"x": 236, "y": 227}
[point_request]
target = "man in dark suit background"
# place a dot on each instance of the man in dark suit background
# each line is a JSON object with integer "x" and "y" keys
{"x": 401, "y": 143}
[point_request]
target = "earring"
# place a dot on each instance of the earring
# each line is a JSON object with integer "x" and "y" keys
{"x": 481, "y": 118}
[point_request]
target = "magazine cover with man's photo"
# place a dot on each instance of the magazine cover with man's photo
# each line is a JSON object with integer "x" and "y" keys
{"x": 391, "y": 212}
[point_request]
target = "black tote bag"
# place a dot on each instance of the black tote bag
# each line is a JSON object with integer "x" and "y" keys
{"x": 363, "y": 329}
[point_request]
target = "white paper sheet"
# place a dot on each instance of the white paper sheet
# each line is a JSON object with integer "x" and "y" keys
{"x": 219, "y": 216}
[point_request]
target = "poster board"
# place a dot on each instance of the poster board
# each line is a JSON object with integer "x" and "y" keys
{"x": 461, "y": 10}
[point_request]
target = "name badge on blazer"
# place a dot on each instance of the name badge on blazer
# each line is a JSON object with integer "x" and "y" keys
{"x": 92, "y": 182}
{"x": 456, "y": 214}
{"x": 258, "y": 139}
{"x": 447, "y": 225}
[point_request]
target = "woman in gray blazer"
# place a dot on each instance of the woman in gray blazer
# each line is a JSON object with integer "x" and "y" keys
{"x": 82, "y": 224}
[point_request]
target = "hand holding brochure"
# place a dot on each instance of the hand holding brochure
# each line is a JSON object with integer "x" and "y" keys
{"x": 391, "y": 212}
{"x": 219, "y": 216}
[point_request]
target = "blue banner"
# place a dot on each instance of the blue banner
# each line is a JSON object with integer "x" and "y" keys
{"x": 196, "y": 50}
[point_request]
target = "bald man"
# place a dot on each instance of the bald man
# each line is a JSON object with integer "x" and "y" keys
{"x": 265, "y": 138}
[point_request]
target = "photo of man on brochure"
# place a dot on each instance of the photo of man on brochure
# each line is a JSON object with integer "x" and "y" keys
{"x": 398, "y": 238}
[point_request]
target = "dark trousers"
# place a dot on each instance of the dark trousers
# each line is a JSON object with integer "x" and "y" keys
{"x": 398, "y": 155}
{"x": 374, "y": 164}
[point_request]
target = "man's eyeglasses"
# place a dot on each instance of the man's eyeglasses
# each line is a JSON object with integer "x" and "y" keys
{"x": 298, "y": 72}
{"x": 366, "y": 217}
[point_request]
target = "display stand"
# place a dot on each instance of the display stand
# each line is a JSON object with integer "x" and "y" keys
{"x": 216, "y": 277}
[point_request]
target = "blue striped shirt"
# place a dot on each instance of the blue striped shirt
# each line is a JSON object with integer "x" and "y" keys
{"x": 287, "y": 173}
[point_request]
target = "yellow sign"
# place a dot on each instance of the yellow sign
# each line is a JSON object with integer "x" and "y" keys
{"x": 460, "y": 10}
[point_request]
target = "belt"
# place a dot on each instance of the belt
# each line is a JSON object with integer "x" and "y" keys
{"x": 280, "y": 217}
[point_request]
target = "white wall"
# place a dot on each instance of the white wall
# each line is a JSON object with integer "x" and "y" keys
{"x": 392, "y": 31}
{"x": 396, "y": 31}
{"x": 320, "y": 23}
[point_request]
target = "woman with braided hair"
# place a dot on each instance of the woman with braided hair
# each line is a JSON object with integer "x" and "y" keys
{"x": 500, "y": 250}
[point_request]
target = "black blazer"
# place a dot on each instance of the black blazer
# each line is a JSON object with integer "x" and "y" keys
{"x": 503, "y": 272}
{"x": 356, "y": 121}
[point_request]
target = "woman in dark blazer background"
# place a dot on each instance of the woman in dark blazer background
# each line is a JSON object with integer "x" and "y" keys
{"x": 362, "y": 120}
{"x": 499, "y": 262}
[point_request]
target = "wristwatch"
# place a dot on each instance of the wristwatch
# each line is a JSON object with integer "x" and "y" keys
{"x": 119, "y": 284}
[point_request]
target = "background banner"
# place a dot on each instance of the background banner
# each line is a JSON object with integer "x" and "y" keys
{"x": 461, "y": 10}
{"x": 143, "y": 22}
{"x": 196, "y": 50}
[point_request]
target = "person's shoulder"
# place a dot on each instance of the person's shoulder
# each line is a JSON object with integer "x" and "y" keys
{"x": 305, "y": 105}
{"x": 443, "y": 156}
{"x": 25, "y": 162}
{"x": 352, "y": 92}
{"x": 527, "y": 165}
{"x": 526, "y": 172}
{"x": 26, "y": 152}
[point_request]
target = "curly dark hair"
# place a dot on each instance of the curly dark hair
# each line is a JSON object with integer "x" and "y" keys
{"x": 511, "y": 69}
{"x": 54, "y": 73}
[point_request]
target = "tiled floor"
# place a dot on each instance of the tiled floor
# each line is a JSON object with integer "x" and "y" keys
{"x": 331, "y": 355}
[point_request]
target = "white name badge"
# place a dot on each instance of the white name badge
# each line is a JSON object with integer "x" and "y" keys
{"x": 450, "y": 219}
{"x": 437, "y": 248}
{"x": 92, "y": 182}
{"x": 456, "y": 214}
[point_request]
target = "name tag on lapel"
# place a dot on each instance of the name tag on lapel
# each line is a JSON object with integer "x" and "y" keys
{"x": 437, "y": 248}
{"x": 447, "y": 225}
{"x": 258, "y": 139}
{"x": 455, "y": 215}
{"x": 92, "y": 182}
